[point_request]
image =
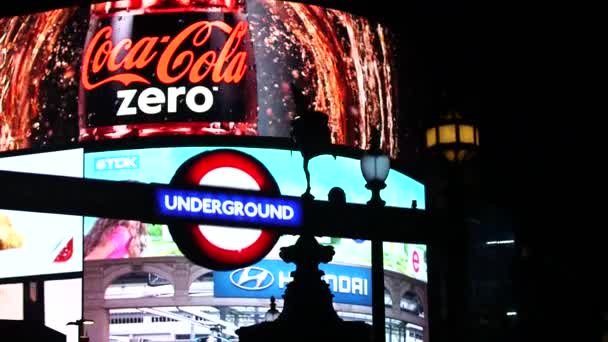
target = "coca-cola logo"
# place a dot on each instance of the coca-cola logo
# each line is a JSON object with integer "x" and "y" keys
{"x": 174, "y": 58}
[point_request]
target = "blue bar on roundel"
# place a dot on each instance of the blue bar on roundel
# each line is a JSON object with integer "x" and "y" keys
{"x": 229, "y": 207}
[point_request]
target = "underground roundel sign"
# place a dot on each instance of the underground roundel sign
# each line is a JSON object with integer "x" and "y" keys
{"x": 216, "y": 247}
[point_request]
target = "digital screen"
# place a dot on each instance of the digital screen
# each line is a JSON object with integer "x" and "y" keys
{"x": 57, "y": 163}
{"x": 63, "y": 304}
{"x": 158, "y": 165}
{"x": 143, "y": 301}
{"x": 405, "y": 291}
{"x": 33, "y": 244}
{"x": 406, "y": 258}
{"x": 106, "y": 238}
{"x": 11, "y": 301}
{"x": 128, "y": 69}
{"x": 138, "y": 255}
{"x": 348, "y": 274}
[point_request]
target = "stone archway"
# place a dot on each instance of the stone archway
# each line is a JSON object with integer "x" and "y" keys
{"x": 112, "y": 273}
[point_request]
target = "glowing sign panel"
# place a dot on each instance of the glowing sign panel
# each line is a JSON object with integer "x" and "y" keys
{"x": 236, "y": 208}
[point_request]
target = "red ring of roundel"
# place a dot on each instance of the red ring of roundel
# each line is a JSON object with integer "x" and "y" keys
{"x": 213, "y": 256}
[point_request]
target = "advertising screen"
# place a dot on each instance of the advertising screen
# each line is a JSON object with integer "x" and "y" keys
{"x": 406, "y": 258}
{"x": 11, "y": 301}
{"x": 63, "y": 304}
{"x": 57, "y": 163}
{"x": 240, "y": 168}
{"x": 226, "y": 298}
{"x": 127, "y": 69}
{"x": 158, "y": 165}
{"x": 144, "y": 301}
{"x": 348, "y": 274}
{"x": 33, "y": 244}
{"x": 405, "y": 293}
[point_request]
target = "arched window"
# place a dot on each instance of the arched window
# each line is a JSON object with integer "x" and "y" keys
{"x": 388, "y": 300}
{"x": 139, "y": 285}
{"x": 202, "y": 286}
{"x": 410, "y": 302}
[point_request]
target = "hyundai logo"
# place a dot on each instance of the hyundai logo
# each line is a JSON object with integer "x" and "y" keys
{"x": 252, "y": 278}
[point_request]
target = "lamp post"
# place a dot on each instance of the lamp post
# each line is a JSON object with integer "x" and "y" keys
{"x": 80, "y": 323}
{"x": 375, "y": 166}
{"x": 452, "y": 180}
{"x": 272, "y": 313}
{"x": 453, "y": 136}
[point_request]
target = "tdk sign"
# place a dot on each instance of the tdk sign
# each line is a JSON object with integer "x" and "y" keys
{"x": 117, "y": 163}
{"x": 348, "y": 284}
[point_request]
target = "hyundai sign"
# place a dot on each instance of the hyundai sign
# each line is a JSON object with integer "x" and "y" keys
{"x": 253, "y": 209}
{"x": 348, "y": 284}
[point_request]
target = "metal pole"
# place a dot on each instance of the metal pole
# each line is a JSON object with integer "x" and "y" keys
{"x": 378, "y": 290}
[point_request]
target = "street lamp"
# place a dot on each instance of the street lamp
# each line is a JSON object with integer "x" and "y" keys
{"x": 375, "y": 166}
{"x": 454, "y": 136}
{"x": 272, "y": 313}
{"x": 80, "y": 323}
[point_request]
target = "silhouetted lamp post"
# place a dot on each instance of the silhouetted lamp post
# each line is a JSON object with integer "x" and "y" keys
{"x": 375, "y": 166}
{"x": 272, "y": 313}
{"x": 452, "y": 142}
{"x": 82, "y": 334}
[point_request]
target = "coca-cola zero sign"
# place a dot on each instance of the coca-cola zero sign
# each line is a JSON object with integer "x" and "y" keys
{"x": 167, "y": 68}
{"x": 137, "y": 69}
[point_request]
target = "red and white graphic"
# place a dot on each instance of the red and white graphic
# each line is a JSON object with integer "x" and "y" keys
{"x": 415, "y": 261}
{"x": 219, "y": 247}
{"x": 66, "y": 252}
{"x": 167, "y": 68}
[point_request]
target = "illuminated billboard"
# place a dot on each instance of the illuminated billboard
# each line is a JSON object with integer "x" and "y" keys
{"x": 348, "y": 274}
{"x": 405, "y": 291}
{"x": 236, "y": 167}
{"x": 57, "y": 163}
{"x": 63, "y": 304}
{"x": 33, "y": 244}
{"x": 406, "y": 258}
{"x": 143, "y": 299}
{"x": 158, "y": 165}
{"x": 127, "y": 69}
{"x": 11, "y": 301}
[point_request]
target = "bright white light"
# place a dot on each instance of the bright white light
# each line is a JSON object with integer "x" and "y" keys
{"x": 500, "y": 242}
{"x": 511, "y": 313}
{"x": 230, "y": 238}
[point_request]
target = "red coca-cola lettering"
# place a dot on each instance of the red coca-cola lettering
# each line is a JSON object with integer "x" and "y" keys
{"x": 173, "y": 64}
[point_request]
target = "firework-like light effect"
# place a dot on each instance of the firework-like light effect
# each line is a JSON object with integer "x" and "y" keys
{"x": 26, "y": 44}
{"x": 342, "y": 63}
